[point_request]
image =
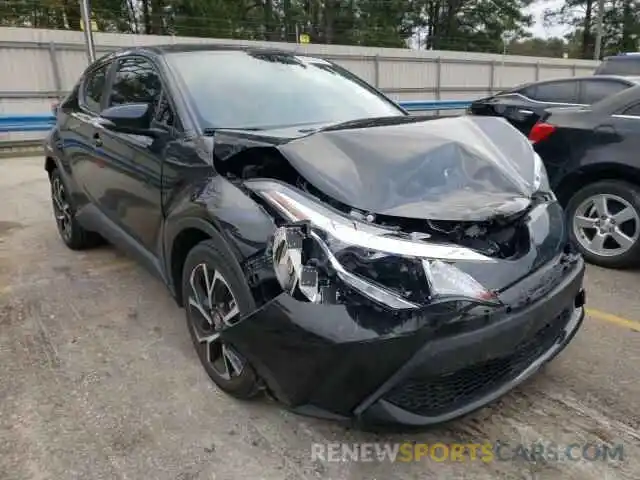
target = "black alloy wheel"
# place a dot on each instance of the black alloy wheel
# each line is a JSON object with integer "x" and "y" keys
{"x": 73, "y": 235}
{"x": 215, "y": 298}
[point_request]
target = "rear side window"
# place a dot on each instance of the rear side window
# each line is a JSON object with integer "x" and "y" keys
{"x": 135, "y": 81}
{"x": 593, "y": 91}
{"x": 625, "y": 66}
{"x": 94, "y": 87}
{"x": 565, "y": 91}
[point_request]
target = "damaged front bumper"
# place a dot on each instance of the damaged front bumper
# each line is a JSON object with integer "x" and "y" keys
{"x": 351, "y": 363}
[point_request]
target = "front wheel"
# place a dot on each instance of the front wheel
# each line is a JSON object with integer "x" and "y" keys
{"x": 215, "y": 298}
{"x": 604, "y": 222}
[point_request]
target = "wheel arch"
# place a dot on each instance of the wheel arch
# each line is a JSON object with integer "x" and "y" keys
{"x": 186, "y": 234}
{"x": 578, "y": 179}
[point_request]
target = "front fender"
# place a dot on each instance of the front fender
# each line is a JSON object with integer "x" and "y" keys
{"x": 240, "y": 227}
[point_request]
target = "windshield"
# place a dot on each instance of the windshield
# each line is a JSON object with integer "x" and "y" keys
{"x": 237, "y": 89}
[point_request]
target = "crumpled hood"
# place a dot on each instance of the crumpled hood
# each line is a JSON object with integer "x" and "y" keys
{"x": 460, "y": 168}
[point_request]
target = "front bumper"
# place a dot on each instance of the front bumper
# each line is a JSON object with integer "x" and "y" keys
{"x": 334, "y": 362}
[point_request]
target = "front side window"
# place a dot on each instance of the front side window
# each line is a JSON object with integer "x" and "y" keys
{"x": 135, "y": 81}
{"x": 94, "y": 88}
{"x": 236, "y": 89}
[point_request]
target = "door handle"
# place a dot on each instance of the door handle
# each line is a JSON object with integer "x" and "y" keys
{"x": 525, "y": 112}
{"x": 97, "y": 141}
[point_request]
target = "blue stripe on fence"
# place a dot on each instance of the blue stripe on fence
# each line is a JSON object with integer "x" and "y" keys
{"x": 43, "y": 123}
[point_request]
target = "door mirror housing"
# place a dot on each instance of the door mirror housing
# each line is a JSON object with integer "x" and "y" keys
{"x": 133, "y": 118}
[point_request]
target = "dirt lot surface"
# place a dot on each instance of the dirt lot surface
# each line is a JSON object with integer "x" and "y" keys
{"x": 98, "y": 380}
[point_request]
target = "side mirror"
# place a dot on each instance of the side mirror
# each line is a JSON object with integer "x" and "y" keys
{"x": 133, "y": 118}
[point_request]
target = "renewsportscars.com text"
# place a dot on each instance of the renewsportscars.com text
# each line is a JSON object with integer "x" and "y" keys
{"x": 469, "y": 452}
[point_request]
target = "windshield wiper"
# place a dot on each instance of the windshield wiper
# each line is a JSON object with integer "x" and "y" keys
{"x": 371, "y": 122}
{"x": 209, "y": 132}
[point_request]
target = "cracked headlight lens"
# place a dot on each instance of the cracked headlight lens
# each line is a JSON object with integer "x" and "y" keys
{"x": 540, "y": 178}
{"x": 322, "y": 256}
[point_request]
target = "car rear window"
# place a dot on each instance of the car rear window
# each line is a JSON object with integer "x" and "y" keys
{"x": 625, "y": 66}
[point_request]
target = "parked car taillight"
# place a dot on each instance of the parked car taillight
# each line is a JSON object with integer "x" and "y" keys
{"x": 541, "y": 131}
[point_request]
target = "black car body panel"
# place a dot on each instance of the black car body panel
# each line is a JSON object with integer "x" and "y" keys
{"x": 525, "y": 104}
{"x": 420, "y": 169}
{"x": 417, "y": 348}
{"x": 624, "y": 65}
{"x": 468, "y": 188}
{"x": 592, "y": 143}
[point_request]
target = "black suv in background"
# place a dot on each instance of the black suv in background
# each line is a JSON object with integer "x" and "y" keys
{"x": 624, "y": 64}
{"x": 523, "y": 105}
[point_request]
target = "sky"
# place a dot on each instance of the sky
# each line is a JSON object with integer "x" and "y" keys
{"x": 537, "y": 10}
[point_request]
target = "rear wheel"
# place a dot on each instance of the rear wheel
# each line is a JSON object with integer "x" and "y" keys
{"x": 72, "y": 233}
{"x": 604, "y": 221}
{"x": 215, "y": 298}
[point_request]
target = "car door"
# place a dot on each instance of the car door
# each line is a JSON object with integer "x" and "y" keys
{"x": 130, "y": 183}
{"x": 626, "y": 124}
{"x": 77, "y": 135}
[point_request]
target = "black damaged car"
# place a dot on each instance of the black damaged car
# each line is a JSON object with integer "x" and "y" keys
{"x": 353, "y": 261}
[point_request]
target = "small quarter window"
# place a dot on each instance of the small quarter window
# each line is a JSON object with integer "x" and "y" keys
{"x": 94, "y": 88}
{"x": 633, "y": 110}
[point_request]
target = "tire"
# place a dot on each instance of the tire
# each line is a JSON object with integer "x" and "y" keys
{"x": 617, "y": 195}
{"x": 217, "y": 355}
{"x": 72, "y": 233}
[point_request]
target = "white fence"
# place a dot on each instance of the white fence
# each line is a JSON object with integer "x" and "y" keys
{"x": 39, "y": 66}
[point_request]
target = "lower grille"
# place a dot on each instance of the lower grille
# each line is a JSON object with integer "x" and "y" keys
{"x": 438, "y": 395}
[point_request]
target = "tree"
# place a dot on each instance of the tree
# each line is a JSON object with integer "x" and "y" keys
{"x": 539, "y": 47}
{"x": 475, "y": 25}
{"x": 621, "y": 25}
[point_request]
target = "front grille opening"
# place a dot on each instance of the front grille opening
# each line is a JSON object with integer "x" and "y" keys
{"x": 438, "y": 395}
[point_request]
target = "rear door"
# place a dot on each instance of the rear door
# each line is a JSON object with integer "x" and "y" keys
{"x": 626, "y": 123}
{"x": 77, "y": 134}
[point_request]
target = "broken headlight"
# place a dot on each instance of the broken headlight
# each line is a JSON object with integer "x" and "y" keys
{"x": 540, "y": 178}
{"x": 321, "y": 256}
